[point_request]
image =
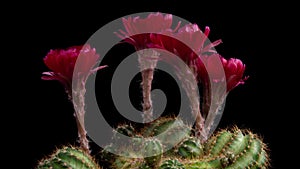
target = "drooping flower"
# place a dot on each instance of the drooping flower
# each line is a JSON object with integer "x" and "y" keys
{"x": 62, "y": 62}
{"x": 137, "y": 30}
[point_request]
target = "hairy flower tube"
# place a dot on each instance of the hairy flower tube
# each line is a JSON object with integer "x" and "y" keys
{"x": 137, "y": 32}
{"x": 190, "y": 44}
{"x": 62, "y": 63}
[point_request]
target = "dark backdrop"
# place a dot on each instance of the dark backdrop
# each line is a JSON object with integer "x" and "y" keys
{"x": 44, "y": 115}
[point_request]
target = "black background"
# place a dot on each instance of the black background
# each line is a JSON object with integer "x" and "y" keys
{"x": 43, "y": 115}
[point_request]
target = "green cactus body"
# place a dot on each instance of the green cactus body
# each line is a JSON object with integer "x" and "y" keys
{"x": 238, "y": 142}
{"x": 190, "y": 148}
{"x": 171, "y": 164}
{"x": 157, "y": 126}
{"x": 107, "y": 157}
{"x": 174, "y": 135}
{"x": 144, "y": 166}
{"x": 121, "y": 134}
{"x": 127, "y": 163}
{"x": 249, "y": 156}
{"x": 121, "y": 163}
{"x": 153, "y": 152}
{"x": 262, "y": 160}
{"x": 126, "y": 130}
{"x": 238, "y": 149}
{"x": 137, "y": 143}
{"x": 219, "y": 142}
{"x": 128, "y": 159}
{"x": 229, "y": 149}
{"x": 204, "y": 164}
{"x": 170, "y": 131}
{"x": 69, "y": 157}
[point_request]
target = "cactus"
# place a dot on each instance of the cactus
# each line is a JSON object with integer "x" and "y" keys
{"x": 161, "y": 125}
{"x": 170, "y": 131}
{"x": 106, "y": 156}
{"x": 190, "y": 148}
{"x": 157, "y": 126}
{"x": 153, "y": 152}
{"x": 204, "y": 164}
{"x": 68, "y": 157}
{"x": 228, "y": 149}
{"x": 126, "y": 130}
{"x": 171, "y": 164}
{"x": 238, "y": 149}
{"x": 121, "y": 134}
{"x": 128, "y": 163}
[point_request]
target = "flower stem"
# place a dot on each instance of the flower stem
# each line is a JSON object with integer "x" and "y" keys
{"x": 148, "y": 61}
{"x": 200, "y": 131}
{"x": 216, "y": 108}
{"x": 206, "y": 99}
{"x": 79, "y": 105}
{"x": 191, "y": 88}
{"x": 147, "y": 76}
{"x": 84, "y": 142}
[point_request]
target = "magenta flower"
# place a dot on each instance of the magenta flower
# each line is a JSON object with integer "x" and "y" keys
{"x": 220, "y": 68}
{"x": 189, "y": 42}
{"x": 169, "y": 43}
{"x": 61, "y": 62}
{"x": 192, "y": 36}
{"x": 234, "y": 71}
{"x": 137, "y": 30}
